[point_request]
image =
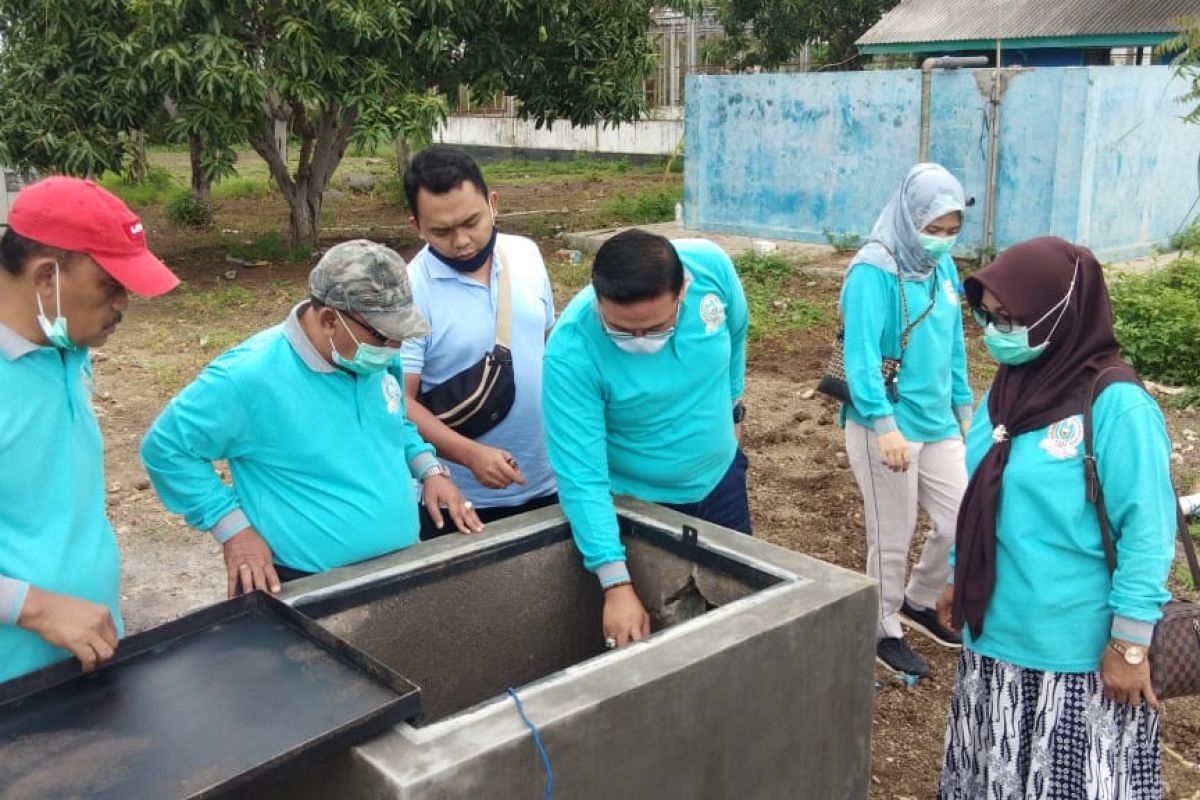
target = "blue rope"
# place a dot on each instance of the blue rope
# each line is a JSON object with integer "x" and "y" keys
{"x": 537, "y": 742}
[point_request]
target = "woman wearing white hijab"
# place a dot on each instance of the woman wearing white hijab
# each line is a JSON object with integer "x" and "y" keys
{"x": 904, "y": 433}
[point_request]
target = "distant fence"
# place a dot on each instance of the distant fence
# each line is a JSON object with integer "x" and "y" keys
{"x": 1098, "y": 155}
{"x": 656, "y": 135}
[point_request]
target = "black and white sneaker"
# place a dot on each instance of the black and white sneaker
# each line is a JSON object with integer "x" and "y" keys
{"x": 925, "y": 620}
{"x": 895, "y": 654}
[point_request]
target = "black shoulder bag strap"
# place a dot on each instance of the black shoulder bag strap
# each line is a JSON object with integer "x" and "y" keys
{"x": 1095, "y": 494}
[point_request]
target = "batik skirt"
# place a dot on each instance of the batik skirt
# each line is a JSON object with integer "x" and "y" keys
{"x": 1019, "y": 734}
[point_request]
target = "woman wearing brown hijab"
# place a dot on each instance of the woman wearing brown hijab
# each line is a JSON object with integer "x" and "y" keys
{"x": 1053, "y": 696}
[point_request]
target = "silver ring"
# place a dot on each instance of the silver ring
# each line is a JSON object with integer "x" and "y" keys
{"x": 468, "y": 504}
{"x": 610, "y": 643}
{"x": 243, "y": 566}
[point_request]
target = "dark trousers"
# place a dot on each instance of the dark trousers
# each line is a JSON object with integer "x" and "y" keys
{"x": 486, "y": 515}
{"x": 727, "y": 504}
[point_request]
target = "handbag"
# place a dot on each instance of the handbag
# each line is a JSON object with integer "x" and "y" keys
{"x": 1175, "y": 646}
{"x": 833, "y": 382}
{"x": 478, "y": 399}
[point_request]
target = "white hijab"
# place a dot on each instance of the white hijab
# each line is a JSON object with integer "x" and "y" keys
{"x": 928, "y": 192}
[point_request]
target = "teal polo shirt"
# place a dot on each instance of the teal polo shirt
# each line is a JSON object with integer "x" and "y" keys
{"x": 54, "y": 533}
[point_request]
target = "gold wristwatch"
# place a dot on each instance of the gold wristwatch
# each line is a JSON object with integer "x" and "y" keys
{"x": 1133, "y": 654}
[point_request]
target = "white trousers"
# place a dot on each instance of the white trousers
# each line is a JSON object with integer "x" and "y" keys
{"x": 935, "y": 480}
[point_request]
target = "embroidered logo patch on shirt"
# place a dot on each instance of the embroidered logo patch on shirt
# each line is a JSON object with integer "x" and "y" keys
{"x": 391, "y": 393}
{"x": 1063, "y": 438}
{"x": 712, "y": 311}
{"x": 948, "y": 288}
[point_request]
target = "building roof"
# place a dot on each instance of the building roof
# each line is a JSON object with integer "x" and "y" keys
{"x": 1032, "y": 23}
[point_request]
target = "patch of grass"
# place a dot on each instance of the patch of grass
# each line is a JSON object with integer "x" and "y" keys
{"x": 774, "y": 312}
{"x": 1157, "y": 318}
{"x": 242, "y": 187}
{"x": 652, "y": 205}
{"x": 576, "y": 169}
{"x": 159, "y": 187}
{"x": 271, "y": 246}
{"x": 567, "y": 277}
{"x": 186, "y": 211}
{"x": 843, "y": 243}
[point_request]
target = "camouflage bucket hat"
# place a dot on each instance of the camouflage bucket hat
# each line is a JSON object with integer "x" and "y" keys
{"x": 367, "y": 278}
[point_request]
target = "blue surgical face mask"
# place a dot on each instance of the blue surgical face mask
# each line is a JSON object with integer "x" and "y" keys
{"x": 1012, "y": 348}
{"x": 469, "y": 265}
{"x": 937, "y": 246}
{"x": 55, "y": 331}
{"x": 368, "y": 358}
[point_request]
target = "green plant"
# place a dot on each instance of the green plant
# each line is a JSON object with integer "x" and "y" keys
{"x": 158, "y": 187}
{"x": 1187, "y": 240}
{"x": 842, "y": 243}
{"x": 643, "y": 207}
{"x": 272, "y": 246}
{"x": 186, "y": 211}
{"x": 773, "y": 310}
{"x": 1156, "y": 317}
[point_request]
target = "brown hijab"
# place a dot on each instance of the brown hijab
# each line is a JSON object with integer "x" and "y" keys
{"x": 1029, "y": 279}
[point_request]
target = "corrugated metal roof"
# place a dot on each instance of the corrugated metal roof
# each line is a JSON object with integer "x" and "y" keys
{"x": 962, "y": 20}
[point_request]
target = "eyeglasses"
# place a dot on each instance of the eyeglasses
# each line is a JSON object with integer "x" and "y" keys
{"x": 983, "y": 318}
{"x": 665, "y": 333}
{"x": 380, "y": 338}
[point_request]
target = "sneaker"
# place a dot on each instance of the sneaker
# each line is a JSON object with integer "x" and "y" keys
{"x": 925, "y": 620}
{"x": 897, "y": 655}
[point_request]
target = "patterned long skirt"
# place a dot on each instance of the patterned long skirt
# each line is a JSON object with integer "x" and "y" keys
{"x": 1016, "y": 734}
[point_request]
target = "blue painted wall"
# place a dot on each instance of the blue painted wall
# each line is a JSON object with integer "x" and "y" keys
{"x": 1098, "y": 154}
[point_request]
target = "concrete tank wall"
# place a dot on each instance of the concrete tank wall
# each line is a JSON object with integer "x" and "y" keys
{"x": 762, "y": 688}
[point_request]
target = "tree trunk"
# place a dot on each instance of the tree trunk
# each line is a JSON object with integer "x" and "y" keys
{"x": 304, "y": 204}
{"x": 201, "y": 187}
{"x": 403, "y": 154}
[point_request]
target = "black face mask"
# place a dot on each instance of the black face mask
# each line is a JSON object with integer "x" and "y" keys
{"x": 468, "y": 265}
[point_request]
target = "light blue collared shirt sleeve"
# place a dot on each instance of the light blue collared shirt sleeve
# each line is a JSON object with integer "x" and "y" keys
{"x": 865, "y": 309}
{"x": 203, "y": 424}
{"x": 577, "y": 444}
{"x": 1133, "y": 457}
{"x": 737, "y": 317}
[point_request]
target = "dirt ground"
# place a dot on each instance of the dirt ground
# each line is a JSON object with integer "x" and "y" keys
{"x": 802, "y": 493}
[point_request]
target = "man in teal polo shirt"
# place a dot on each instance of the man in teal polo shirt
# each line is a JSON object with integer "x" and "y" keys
{"x": 68, "y": 260}
{"x": 644, "y": 374}
{"x": 310, "y": 416}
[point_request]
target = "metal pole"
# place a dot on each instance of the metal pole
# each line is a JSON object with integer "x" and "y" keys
{"x": 927, "y": 68}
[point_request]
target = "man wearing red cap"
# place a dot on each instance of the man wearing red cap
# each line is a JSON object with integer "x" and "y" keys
{"x": 68, "y": 260}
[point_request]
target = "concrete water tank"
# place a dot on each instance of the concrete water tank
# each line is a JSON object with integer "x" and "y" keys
{"x": 756, "y": 683}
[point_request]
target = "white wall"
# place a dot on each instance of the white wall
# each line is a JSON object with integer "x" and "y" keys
{"x": 656, "y": 135}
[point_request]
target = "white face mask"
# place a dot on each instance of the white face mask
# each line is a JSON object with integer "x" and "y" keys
{"x": 643, "y": 345}
{"x": 55, "y": 332}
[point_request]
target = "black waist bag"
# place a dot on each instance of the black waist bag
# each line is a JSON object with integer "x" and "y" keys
{"x": 477, "y": 399}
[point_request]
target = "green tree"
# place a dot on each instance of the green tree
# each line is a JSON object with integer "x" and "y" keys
{"x": 71, "y": 88}
{"x": 367, "y": 70}
{"x": 1185, "y": 49}
{"x": 769, "y": 33}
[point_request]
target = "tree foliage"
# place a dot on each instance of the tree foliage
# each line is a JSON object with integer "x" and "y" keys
{"x": 71, "y": 86}
{"x": 343, "y": 70}
{"x": 1185, "y": 49}
{"x": 769, "y": 33}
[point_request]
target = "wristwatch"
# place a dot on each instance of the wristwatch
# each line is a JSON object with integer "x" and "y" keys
{"x": 436, "y": 468}
{"x": 1133, "y": 654}
{"x": 739, "y": 412}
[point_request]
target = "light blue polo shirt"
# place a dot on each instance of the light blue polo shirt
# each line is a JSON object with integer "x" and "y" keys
{"x": 322, "y": 460}
{"x": 462, "y": 319}
{"x": 657, "y": 426}
{"x": 54, "y": 533}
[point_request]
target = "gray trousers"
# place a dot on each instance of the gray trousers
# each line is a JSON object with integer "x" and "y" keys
{"x": 935, "y": 480}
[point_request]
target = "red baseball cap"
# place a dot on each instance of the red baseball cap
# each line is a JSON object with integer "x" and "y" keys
{"x": 77, "y": 215}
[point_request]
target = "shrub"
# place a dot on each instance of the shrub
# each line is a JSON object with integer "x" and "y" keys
{"x": 1157, "y": 320}
{"x": 843, "y": 243}
{"x": 644, "y": 207}
{"x": 270, "y": 246}
{"x": 186, "y": 211}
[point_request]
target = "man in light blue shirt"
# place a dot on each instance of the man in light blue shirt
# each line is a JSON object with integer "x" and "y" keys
{"x": 310, "y": 416}
{"x": 68, "y": 260}
{"x": 460, "y": 280}
{"x": 644, "y": 376}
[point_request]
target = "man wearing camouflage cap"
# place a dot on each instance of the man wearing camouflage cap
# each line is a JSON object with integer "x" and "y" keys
{"x": 310, "y": 416}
